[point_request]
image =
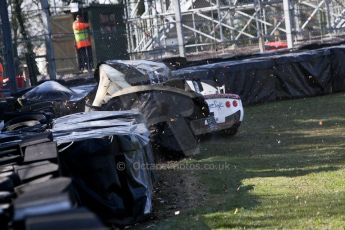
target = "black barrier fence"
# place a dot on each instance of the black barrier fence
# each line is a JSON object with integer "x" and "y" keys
{"x": 277, "y": 76}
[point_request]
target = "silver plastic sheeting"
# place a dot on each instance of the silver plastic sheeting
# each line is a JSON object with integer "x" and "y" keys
{"x": 98, "y": 124}
{"x": 155, "y": 71}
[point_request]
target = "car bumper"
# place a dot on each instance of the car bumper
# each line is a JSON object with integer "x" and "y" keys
{"x": 209, "y": 125}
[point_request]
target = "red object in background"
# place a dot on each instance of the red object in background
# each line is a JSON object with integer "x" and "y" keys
{"x": 1, "y": 70}
{"x": 276, "y": 45}
{"x": 20, "y": 82}
{"x": 1, "y": 78}
{"x": 1, "y": 74}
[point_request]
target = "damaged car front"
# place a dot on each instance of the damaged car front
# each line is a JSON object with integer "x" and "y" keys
{"x": 175, "y": 114}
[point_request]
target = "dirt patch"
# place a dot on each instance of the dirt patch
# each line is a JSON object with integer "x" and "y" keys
{"x": 176, "y": 191}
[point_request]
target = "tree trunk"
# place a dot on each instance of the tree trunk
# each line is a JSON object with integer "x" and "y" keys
{"x": 30, "y": 55}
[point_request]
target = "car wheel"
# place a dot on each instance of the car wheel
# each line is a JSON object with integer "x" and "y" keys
{"x": 232, "y": 131}
{"x": 24, "y": 121}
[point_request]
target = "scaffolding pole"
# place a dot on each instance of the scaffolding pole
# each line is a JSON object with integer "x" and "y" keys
{"x": 287, "y": 16}
{"x": 180, "y": 40}
{"x": 8, "y": 47}
{"x": 48, "y": 39}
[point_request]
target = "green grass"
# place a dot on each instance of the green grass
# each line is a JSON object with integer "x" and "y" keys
{"x": 287, "y": 170}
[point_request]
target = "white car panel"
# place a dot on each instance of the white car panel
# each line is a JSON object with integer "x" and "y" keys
{"x": 220, "y": 104}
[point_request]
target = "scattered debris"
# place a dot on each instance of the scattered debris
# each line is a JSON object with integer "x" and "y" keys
{"x": 236, "y": 211}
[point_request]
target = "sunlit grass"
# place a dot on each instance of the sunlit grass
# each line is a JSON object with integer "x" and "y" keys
{"x": 287, "y": 170}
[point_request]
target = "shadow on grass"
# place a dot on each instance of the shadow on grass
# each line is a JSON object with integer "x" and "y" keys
{"x": 229, "y": 194}
{"x": 278, "y": 142}
{"x": 305, "y": 212}
{"x": 281, "y": 142}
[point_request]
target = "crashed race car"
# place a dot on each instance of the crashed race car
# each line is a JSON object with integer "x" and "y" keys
{"x": 225, "y": 108}
{"x": 175, "y": 111}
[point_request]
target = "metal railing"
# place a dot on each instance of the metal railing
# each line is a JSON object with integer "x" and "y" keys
{"x": 223, "y": 27}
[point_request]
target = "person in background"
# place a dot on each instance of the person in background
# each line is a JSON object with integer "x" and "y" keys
{"x": 1, "y": 77}
{"x": 83, "y": 43}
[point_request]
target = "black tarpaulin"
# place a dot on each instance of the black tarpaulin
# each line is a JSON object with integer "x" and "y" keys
{"x": 303, "y": 74}
{"x": 338, "y": 68}
{"x": 161, "y": 105}
{"x": 277, "y": 76}
{"x": 54, "y": 98}
{"x": 105, "y": 153}
{"x": 96, "y": 124}
{"x": 51, "y": 91}
{"x": 252, "y": 79}
{"x": 156, "y": 105}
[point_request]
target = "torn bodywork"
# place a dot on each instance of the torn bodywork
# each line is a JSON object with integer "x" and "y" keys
{"x": 168, "y": 110}
{"x": 175, "y": 113}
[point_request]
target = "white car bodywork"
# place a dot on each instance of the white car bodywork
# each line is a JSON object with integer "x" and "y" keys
{"x": 224, "y": 112}
{"x": 221, "y": 104}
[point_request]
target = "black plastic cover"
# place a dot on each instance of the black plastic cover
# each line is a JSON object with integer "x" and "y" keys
{"x": 278, "y": 76}
{"x": 105, "y": 153}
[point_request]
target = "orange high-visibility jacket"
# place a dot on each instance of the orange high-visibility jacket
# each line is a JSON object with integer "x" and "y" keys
{"x": 1, "y": 74}
{"x": 81, "y": 34}
{"x": 1, "y": 79}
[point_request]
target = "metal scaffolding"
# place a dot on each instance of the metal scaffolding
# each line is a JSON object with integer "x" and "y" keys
{"x": 217, "y": 27}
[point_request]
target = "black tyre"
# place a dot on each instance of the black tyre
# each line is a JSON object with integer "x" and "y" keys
{"x": 25, "y": 121}
{"x": 232, "y": 131}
